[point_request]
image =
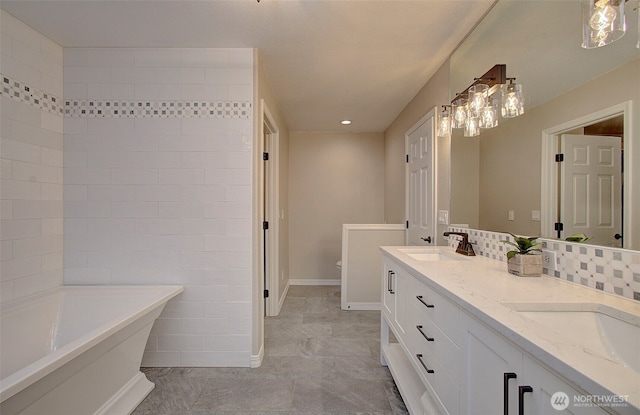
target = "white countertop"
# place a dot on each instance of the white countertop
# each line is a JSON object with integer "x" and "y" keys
{"x": 480, "y": 286}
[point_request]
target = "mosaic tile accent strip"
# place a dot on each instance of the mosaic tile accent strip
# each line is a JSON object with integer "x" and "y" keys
{"x": 22, "y": 92}
{"x": 613, "y": 270}
{"x": 158, "y": 109}
{"x": 19, "y": 91}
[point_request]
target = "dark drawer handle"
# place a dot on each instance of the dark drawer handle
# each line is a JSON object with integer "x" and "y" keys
{"x": 419, "y": 356}
{"x": 390, "y": 275}
{"x": 419, "y": 297}
{"x": 429, "y": 339}
{"x": 521, "y": 391}
{"x": 507, "y": 376}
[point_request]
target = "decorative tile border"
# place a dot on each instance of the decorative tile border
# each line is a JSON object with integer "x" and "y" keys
{"x": 613, "y": 270}
{"x": 158, "y": 109}
{"x": 19, "y": 91}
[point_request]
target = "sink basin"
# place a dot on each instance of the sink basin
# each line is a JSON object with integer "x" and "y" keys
{"x": 429, "y": 254}
{"x": 603, "y": 330}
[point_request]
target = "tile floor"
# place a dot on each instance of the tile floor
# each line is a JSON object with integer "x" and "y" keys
{"x": 318, "y": 360}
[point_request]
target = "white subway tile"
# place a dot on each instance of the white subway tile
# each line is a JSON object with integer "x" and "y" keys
{"x": 228, "y": 210}
{"x": 204, "y": 127}
{"x": 223, "y": 243}
{"x": 86, "y": 74}
{"x": 183, "y": 309}
{"x": 110, "y": 57}
{"x": 115, "y": 126}
{"x": 39, "y": 246}
{"x": 152, "y": 344}
{"x": 87, "y": 276}
{"x": 158, "y": 226}
{"x": 76, "y": 126}
{"x": 239, "y": 325}
{"x": 6, "y": 253}
{"x": 180, "y": 243}
{"x": 204, "y": 58}
{"x": 32, "y": 284}
{"x": 134, "y": 75}
{"x": 111, "y": 226}
{"x": 52, "y": 122}
{"x": 204, "y": 193}
{"x": 181, "y": 210}
{"x": 157, "y": 92}
{"x": 203, "y": 226}
{"x": 75, "y": 158}
{"x": 239, "y": 292}
{"x": 158, "y": 57}
{"x": 6, "y": 209}
{"x": 15, "y": 150}
{"x": 202, "y": 159}
{"x": 240, "y": 92}
{"x": 51, "y": 191}
{"x": 181, "y": 142}
{"x": 51, "y": 262}
{"x": 75, "y": 226}
{"x": 19, "y": 267}
{"x": 33, "y": 172}
{"x": 169, "y": 127}
{"x": 52, "y": 157}
{"x": 167, "y": 326}
{"x": 183, "y": 343}
{"x": 86, "y": 209}
{"x": 208, "y": 92}
{"x": 134, "y": 209}
{"x": 241, "y": 58}
{"x": 181, "y": 176}
{"x": 159, "y": 193}
{"x": 238, "y": 193}
{"x": 75, "y": 57}
{"x": 75, "y": 91}
{"x": 203, "y": 326}
{"x": 74, "y": 192}
{"x": 32, "y": 209}
{"x": 134, "y": 176}
{"x": 110, "y": 91}
{"x": 161, "y": 359}
{"x": 86, "y": 175}
{"x": 205, "y": 293}
{"x": 181, "y": 75}
{"x": 20, "y": 228}
{"x": 111, "y": 193}
{"x": 228, "y": 343}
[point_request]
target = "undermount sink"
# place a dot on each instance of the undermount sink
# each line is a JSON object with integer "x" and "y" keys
{"x": 429, "y": 254}
{"x": 603, "y": 330}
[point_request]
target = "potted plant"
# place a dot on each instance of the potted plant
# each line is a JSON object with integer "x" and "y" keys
{"x": 524, "y": 260}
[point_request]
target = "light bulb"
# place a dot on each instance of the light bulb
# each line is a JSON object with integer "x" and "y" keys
{"x": 603, "y": 15}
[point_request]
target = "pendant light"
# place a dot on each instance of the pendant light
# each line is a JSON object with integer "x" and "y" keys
{"x": 444, "y": 122}
{"x": 512, "y": 99}
{"x": 603, "y": 22}
{"x": 459, "y": 110}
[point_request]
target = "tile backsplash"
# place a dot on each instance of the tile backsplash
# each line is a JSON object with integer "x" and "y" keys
{"x": 613, "y": 270}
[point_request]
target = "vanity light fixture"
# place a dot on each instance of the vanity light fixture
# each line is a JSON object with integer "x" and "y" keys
{"x": 479, "y": 106}
{"x": 603, "y": 22}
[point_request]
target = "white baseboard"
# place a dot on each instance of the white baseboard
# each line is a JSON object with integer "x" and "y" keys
{"x": 303, "y": 281}
{"x": 283, "y": 297}
{"x": 256, "y": 360}
{"x": 362, "y": 306}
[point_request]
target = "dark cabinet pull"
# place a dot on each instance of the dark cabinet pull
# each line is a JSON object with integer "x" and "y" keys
{"x": 390, "y": 275}
{"x": 419, "y": 297}
{"x": 429, "y": 339}
{"x": 507, "y": 376}
{"x": 521, "y": 391}
{"x": 419, "y": 356}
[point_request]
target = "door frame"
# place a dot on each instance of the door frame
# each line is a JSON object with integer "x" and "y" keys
{"x": 269, "y": 131}
{"x": 434, "y": 176}
{"x": 549, "y": 172}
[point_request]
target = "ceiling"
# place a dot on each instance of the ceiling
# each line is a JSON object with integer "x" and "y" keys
{"x": 327, "y": 60}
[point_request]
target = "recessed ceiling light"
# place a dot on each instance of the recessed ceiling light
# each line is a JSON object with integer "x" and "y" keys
{"x": 345, "y": 122}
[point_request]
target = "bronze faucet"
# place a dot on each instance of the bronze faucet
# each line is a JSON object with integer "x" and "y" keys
{"x": 464, "y": 247}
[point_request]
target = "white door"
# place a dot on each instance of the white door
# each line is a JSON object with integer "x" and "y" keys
{"x": 591, "y": 188}
{"x": 420, "y": 186}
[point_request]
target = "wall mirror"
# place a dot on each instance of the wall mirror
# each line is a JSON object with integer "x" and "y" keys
{"x": 501, "y": 180}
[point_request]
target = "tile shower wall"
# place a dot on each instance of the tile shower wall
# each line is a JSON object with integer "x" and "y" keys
{"x": 31, "y": 227}
{"x": 616, "y": 271}
{"x": 157, "y": 189}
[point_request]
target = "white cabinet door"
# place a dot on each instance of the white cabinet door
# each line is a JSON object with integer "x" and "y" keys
{"x": 486, "y": 361}
{"x": 551, "y": 396}
{"x": 400, "y": 281}
{"x": 388, "y": 292}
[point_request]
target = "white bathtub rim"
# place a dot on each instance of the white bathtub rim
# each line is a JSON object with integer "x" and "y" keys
{"x": 37, "y": 370}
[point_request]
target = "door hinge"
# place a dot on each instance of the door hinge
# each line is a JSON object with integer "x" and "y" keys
{"x": 406, "y": 224}
{"x": 266, "y": 293}
{"x": 265, "y": 225}
{"x": 559, "y": 158}
{"x": 265, "y": 156}
{"x": 558, "y": 226}
{"x": 407, "y": 158}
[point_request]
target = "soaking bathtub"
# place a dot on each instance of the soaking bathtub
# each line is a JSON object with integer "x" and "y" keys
{"x": 76, "y": 350}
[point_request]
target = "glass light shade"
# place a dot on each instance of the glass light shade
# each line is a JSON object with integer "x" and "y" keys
{"x": 603, "y": 22}
{"x": 488, "y": 117}
{"x": 471, "y": 127}
{"x": 444, "y": 123}
{"x": 478, "y": 96}
{"x": 459, "y": 113}
{"x": 512, "y": 101}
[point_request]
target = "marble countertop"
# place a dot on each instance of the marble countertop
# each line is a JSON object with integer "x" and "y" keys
{"x": 483, "y": 288}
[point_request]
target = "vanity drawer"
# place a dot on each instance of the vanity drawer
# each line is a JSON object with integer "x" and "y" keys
{"x": 441, "y": 356}
{"x": 440, "y": 310}
{"x": 440, "y": 348}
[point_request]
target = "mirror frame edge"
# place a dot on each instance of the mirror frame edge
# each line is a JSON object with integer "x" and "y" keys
{"x": 549, "y": 174}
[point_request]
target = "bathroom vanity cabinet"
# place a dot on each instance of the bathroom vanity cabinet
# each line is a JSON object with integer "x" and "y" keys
{"x": 445, "y": 358}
